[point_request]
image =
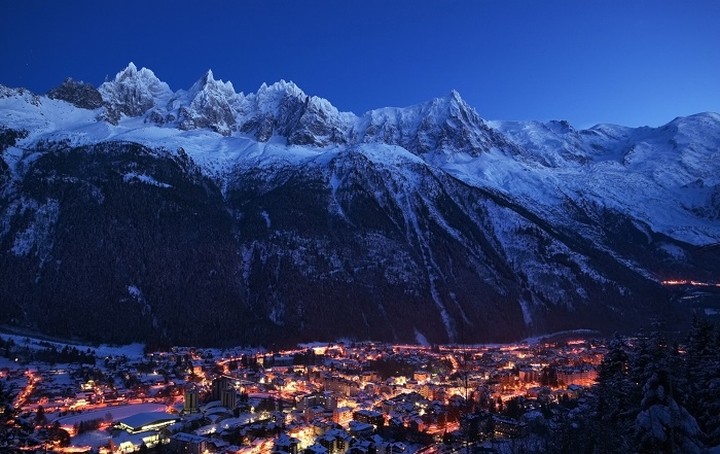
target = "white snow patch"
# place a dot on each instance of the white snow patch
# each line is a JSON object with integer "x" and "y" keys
{"x": 527, "y": 315}
{"x": 131, "y": 351}
{"x": 138, "y": 296}
{"x": 135, "y": 292}
{"x": 335, "y": 182}
{"x": 420, "y": 338}
{"x": 117, "y": 412}
{"x": 266, "y": 217}
{"x": 38, "y": 232}
{"x": 143, "y": 178}
{"x": 674, "y": 251}
{"x": 390, "y": 155}
{"x": 277, "y": 314}
{"x": 579, "y": 332}
{"x": 95, "y": 439}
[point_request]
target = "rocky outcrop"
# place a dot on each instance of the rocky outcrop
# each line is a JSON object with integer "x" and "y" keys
{"x": 283, "y": 109}
{"x": 209, "y": 104}
{"x": 79, "y": 94}
{"x": 132, "y": 93}
{"x": 446, "y": 125}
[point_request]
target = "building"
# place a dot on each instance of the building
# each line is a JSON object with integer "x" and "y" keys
{"x": 316, "y": 449}
{"x": 341, "y": 385}
{"x": 286, "y": 443}
{"x": 342, "y": 416}
{"x": 529, "y": 375}
{"x": 125, "y": 442}
{"x": 360, "y": 429}
{"x": 508, "y": 427}
{"x": 311, "y": 413}
{"x": 325, "y": 400}
{"x": 336, "y": 441}
{"x": 372, "y": 417}
{"x": 143, "y": 422}
{"x": 228, "y": 398}
{"x": 219, "y": 385}
{"x": 192, "y": 399}
{"x": 185, "y": 443}
{"x": 421, "y": 375}
{"x": 141, "y": 429}
{"x": 585, "y": 376}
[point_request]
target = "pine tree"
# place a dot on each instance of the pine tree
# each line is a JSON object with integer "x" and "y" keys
{"x": 614, "y": 406}
{"x": 703, "y": 377}
{"x": 662, "y": 424}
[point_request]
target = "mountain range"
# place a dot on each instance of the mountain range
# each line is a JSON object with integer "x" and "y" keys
{"x": 206, "y": 216}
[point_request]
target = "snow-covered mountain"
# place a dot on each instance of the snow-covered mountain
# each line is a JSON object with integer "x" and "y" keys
{"x": 283, "y": 218}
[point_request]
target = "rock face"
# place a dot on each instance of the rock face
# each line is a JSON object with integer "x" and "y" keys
{"x": 444, "y": 124}
{"x": 132, "y": 93}
{"x": 283, "y": 109}
{"x": 79, "y": 94}
{"x": 225, "y": 218}
{"x": 210, "y": 104}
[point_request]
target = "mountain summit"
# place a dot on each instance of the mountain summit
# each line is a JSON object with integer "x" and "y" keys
{"x": 133, "y": 92}
{"x": 284, "y": 219}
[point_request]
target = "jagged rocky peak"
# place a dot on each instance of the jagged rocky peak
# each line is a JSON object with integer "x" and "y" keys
{"x": 79, "y": 94}
{"x": 452, "y": 105}
{"x": 560, "y": 127}
{"x": 208, "y": 84}
{"x": 451, "y": 124}
{"x": 30, "y": 97}
{"x": 284, "y": 109}
{"x": 269, "y": 97}
{"x": 209, "y": 103}
{"x": 264, "y": 108}
{"x": 320, "y": 124}
{"x": 133, "y": 92}
{"x": 446, "y": 124}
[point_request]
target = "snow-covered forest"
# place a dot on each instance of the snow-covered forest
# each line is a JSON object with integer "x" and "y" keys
{"x": 652, "y": 396}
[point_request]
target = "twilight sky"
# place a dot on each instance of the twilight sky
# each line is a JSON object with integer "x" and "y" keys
{"x": 630, "y": 62}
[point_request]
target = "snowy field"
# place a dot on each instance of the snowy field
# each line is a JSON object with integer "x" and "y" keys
{"x": 116, "y": 412}
{"x": 131, "y": 351}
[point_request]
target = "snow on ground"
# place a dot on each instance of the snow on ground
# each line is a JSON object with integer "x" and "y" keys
{"x": 578, "y": 332}
{"x": 526, "y": 312}
{"x": 131, "y": 351}
{"x": 143, "y": 178}
{"x": 421, "y": 339}
{"x": 94, "y": 439}
{"x": 6, "y": 363}
{"x": 643, "y": 192}
{"x": 116, "y": 413}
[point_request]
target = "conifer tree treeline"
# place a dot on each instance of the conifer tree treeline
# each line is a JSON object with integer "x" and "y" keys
{"x": 652, "y": 397}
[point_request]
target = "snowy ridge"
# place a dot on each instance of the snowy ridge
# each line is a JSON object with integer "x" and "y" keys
{"x": 428, "y": 221}
{"x": 667, "y": 177}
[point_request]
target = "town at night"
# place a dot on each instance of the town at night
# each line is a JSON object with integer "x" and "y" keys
{"x": 330, "y": 398}
{"x": 374, "y": 227}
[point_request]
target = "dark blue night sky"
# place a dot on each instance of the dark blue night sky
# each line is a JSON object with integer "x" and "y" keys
{"x": 627, "y": 62}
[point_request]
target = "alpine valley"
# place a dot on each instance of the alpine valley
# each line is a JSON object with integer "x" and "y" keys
{"x": 206, "y": 216}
